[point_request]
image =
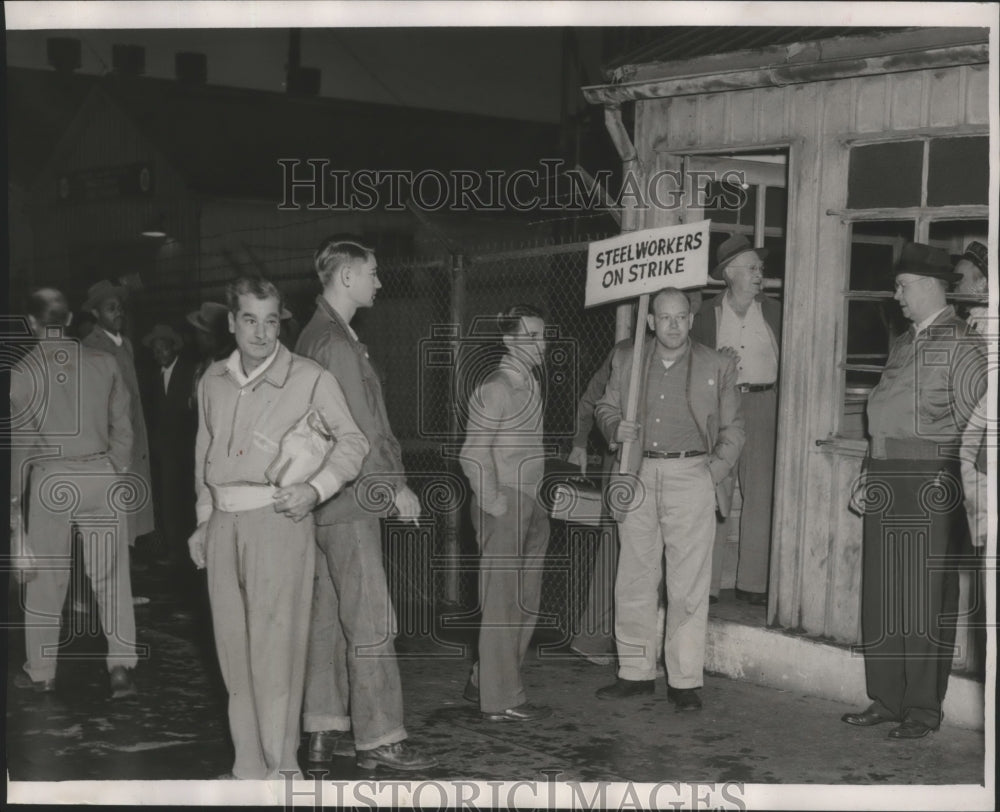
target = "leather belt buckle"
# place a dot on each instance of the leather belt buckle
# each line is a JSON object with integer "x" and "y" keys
{"x": 671, "y": 455}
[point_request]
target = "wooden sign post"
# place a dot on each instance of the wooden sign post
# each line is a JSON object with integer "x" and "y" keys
{"x": 640, "y": 263}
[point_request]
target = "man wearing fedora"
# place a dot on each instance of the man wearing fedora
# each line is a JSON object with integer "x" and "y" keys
{"x": 745, "y": 324}
{"x": 107, "y": 302}
{"x": 685, "y": 440}
{"x": 973, "y": 267}
{"x": 911, "y": 495}
{"x": 173, "y": 425}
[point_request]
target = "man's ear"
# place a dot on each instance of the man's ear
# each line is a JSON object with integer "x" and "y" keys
{"x": 232, "y": 322}
{"x": 69, "y": 319}
{"x": 33, "y": 324}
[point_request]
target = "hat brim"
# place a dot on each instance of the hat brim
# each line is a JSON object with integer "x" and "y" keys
{"x": 716, "y": 272}
{"x": 944, "y": 276}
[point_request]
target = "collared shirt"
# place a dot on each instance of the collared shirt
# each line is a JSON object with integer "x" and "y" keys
{"x": 241, "y": 421}
{"x": 235, "y": 366}
{"x": 929, "y": 386}
{"x": 117, "y": 338}
{"x": 504, "y": 436}
{"x": 919, "y": 327}
{"x": 167, "y": 371}
{"x": 750, "y": 337}
{"x": 669, "y": 425}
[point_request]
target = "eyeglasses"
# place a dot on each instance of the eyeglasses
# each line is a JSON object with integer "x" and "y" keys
{"x": 755, "y": 267}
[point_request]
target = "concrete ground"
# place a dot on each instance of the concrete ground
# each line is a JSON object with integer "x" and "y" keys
{"x": 176, "y": 728}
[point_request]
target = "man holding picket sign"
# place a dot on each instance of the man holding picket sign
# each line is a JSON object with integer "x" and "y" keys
{"x": 681, "y": 433}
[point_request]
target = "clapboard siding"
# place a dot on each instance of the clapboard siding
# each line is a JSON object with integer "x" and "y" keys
{"x": 816, "y": 552}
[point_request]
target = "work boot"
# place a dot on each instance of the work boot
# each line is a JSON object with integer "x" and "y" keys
{"x": 122, "y": 685}
{"x": 325, "y": 744}
{"x": 398, "y": 756}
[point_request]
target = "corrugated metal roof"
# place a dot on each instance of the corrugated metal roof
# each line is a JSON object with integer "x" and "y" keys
{"x": 690, "y": 41}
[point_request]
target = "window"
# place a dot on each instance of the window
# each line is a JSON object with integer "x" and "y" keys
{"x": 930, "y": 190}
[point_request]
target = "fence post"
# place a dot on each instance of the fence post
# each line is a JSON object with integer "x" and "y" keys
{"x": 456, "y": 313}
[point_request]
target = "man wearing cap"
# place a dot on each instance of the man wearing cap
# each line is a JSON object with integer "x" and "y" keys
{"x": 107, "y": 303}
{"x": 685, "y": 440}
{"x": 353, "y": 679}
{"x": 973, "y": 267}
{"x": 71, "y": 448}
{"x": 172, "y": 431}
{"x": 910, "y": 492}
{"x": 257, "y": 540}
{"x": 745, "y": 324}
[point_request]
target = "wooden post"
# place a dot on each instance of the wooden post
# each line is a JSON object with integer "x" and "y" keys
{"x": 456, "y": 314}
{"x": 632, "y": 405}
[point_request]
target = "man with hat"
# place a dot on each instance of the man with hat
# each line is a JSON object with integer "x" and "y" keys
{"x": 973, "y": 267}
{"x": 107, "y": 302}
{"x": 745, "y": 324}
{"x": 211, "y": 325}
{"x": 685, "y": 440}
{"x": 910, "y": 492}
{"x": 174, "y": 423}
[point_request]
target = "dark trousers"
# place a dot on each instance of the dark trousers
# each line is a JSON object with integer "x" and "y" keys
{"x": 910, "y": 585}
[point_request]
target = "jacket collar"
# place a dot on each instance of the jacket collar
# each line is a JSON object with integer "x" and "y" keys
{"x": 332, "y": 316}
{"x": 276, "y": 372}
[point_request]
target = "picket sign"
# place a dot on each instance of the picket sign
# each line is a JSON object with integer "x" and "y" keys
{"x": 639, "y": 263}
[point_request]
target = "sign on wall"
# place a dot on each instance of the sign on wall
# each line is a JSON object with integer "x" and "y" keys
{"x": 638, "y": 262}
{"x": 105, "y": 183}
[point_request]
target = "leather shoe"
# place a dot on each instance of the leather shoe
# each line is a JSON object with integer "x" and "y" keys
{"x": 867, "y": 718}
{"x": 42, "y": 686}
{"x": 121, "y": 683}
{"x": 471, "y": 692}
{"x": 398, "y": 756}
{"x": 686, "y": 699}
{"x": 325, "y": 744}
{"x": 910, "y": 729}
{"x": 522, "y": 713}
{"x": 753, "y": 598}
{"x": 624, "y": 688}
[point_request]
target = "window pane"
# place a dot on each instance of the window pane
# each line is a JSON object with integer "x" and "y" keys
{"x": 954, "y": 235}
{"x": 727, "y": 202}
{"x": 874, "y": 248}
{"x": 958, "y": 171}
{"x": 776, "y": 207}
{"x": 882, "y": 175}
{"x": 870, "y": 328}
{"x": 774, "y": 265}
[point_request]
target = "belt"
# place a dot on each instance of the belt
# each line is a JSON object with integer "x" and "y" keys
{"x": 912, "y": 449}
{"x": 754, "y": 387}
{"x": 671, "y": 455}
{"x": 234, "y": 498}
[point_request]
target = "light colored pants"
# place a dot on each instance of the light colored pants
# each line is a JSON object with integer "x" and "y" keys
{"x": 352, "y": 677}
{"x": 260, "y": 578}
{"x": 755, "y": 470}
{"x": 511, "y": 565}
{"x": 672, "y": 518}
{"x": 105, "y": 559}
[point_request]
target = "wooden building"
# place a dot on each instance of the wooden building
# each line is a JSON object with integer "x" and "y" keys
{"x": 850, "y": 143}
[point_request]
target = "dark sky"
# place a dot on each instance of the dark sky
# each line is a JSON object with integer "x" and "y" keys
{"x": 513, "y": 72}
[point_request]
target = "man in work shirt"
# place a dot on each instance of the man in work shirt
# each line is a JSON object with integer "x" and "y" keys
{"x": 255, "y": 539}
{"x": 911, "y": 495}
{"x": 353, "y": 678}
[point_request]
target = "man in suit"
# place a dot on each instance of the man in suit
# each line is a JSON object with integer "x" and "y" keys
{"x": 745, "y": 324}
{"x": 910, "y": 494}
{"x": 107, "y": 303}
{"x": 352, "y": 678}
{"x": 173, "y": 426}
{"x": 684, "y": 443}
{"x": 72, "y": 444}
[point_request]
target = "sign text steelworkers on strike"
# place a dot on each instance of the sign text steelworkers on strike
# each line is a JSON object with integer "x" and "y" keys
{"x": 638, "y": 262}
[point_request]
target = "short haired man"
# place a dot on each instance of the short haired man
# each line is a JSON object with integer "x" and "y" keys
{"x": 504, "y": 460}
{"x": 107, "y": 304}
{"x": 684, "y": 443}
{"x": 911, "y": 496}
{"x": 257, "y": 540}
{"x": 353, "y": 678}
{"x": 744, "y": 323}
{"x": 76, "y": 436}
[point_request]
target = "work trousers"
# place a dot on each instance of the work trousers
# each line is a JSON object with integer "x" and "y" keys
{"x": 910, "y": 585}
{"x": 511, "y": 565}
{"x": 755, "y": 470}
{"x": 352, "y": 677}
{"x": 671, "y": 519}
{"x": 260, "y": 578}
